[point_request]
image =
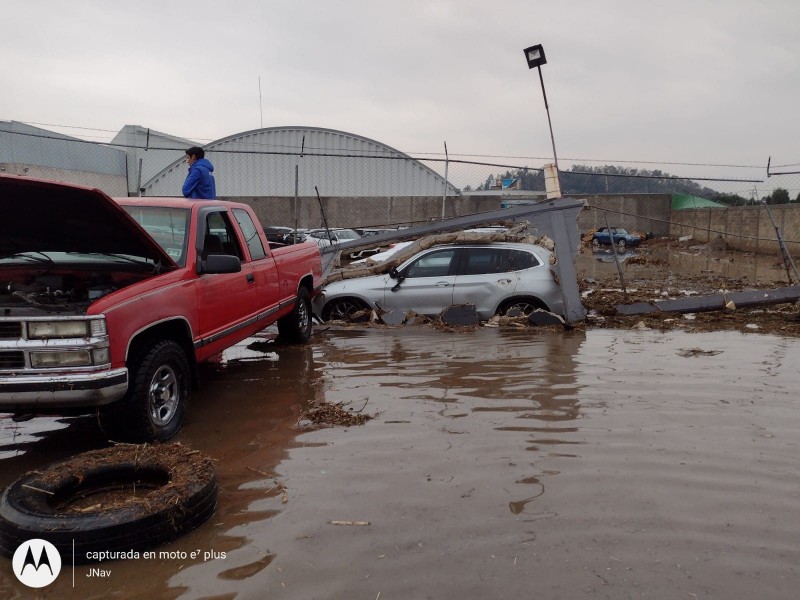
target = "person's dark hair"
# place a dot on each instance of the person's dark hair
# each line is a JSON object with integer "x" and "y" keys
{"x": 196, "y": 151}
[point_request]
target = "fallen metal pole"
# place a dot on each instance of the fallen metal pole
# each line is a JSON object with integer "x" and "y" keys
{"x": 713, "y": 302}
{"x": 616, "y": 256}
{"x": 787, "y": 258}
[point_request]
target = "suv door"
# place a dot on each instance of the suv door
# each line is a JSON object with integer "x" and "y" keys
{"x": 486, "y": 276}
{"x": 427, "y": 287}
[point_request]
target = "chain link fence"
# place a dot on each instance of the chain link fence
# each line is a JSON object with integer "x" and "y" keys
{"x": 370, "y": 175}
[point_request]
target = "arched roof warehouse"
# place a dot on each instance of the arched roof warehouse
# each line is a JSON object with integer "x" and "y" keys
{"x": 263, "y": 163}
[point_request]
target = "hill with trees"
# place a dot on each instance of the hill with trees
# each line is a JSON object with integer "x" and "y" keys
{"x": 609, "y": 179}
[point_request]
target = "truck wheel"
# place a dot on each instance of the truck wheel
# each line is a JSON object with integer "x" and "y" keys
{"x": 153, "y": 408}
{"x": 621, "y": 244}
{"x": 295, "y": 327}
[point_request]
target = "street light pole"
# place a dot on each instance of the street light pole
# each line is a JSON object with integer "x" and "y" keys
{"x": 536, "y": 58}
{"x": 549, "y": 123}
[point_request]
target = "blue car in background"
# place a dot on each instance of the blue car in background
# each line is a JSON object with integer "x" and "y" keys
{"x": 621, "y": 237}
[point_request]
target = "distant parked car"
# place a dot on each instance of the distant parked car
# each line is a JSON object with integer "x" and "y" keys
{"x": 326, "y": 237}
{"x": 495, "y": 277}
{"x": 284, "y": 235}
{"x": 276, "y": 234}
{"x": 620, "y": 237}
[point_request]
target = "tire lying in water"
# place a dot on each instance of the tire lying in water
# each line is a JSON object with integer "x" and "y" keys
{"x": 110, "y": 502}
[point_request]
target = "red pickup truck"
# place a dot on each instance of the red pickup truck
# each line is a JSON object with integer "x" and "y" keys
{"x": 108, "y": 305}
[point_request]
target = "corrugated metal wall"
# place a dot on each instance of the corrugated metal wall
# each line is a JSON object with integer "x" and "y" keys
{"x": 25, "y": 144}
{"x": 149, "y": 150}
{"x": 262, "y": 163}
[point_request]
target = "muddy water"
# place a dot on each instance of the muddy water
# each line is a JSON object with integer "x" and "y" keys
{"x": 499, "y": 464}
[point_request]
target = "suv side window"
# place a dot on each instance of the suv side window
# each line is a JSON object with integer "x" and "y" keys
{"x": 482, "y": 261}
{"x": 479, "y": 261}
{"x": 520, "y": 260}
{"x": 250, "y": 234}
{"x": 433, "y": 264}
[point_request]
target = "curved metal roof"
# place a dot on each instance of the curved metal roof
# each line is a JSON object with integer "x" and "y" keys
{"x": 262, "y": 162}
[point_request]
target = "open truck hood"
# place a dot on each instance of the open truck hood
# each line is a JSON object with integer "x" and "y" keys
{"x": 41, "y": 216}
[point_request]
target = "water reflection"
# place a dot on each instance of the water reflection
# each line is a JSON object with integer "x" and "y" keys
{"x": 608, "y": 256}
{"x": 243, "y": 415}
{"x": 517, "y": 383}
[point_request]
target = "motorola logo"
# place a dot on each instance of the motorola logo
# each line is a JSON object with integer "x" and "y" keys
{"x": 36, "y": 563}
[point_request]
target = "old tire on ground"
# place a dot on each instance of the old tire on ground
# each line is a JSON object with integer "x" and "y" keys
{"x": 119, "y": 499}
{"x": 295, "y": 327}
{"x": 154, "y": 406}
{"x": 524, "y": 305}
{"x": 341, "y": 309}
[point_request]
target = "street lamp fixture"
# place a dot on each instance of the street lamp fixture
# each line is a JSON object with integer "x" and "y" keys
{"x": 536, "y": 58}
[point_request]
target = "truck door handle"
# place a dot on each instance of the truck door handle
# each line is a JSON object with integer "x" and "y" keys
{"x": 442, "y": 284}
{"x": 251, "y": 278}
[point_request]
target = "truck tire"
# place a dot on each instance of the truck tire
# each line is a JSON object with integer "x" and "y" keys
{"x": 154, "y": 406}
{"x": 118, "y": 499}
{"x": 295, "y": 327}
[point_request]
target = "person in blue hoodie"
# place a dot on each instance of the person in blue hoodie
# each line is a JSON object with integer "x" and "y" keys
{"x": 199, "y": 183}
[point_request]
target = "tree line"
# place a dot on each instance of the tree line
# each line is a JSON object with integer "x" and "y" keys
{"x": 609, "y": 179}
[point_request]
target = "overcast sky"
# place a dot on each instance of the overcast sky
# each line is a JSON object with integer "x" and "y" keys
{"x": 684, "y": 81}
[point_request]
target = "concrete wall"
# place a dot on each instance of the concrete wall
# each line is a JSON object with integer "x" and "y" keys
{"x": 113, "y": 185}
{"x": 635, "y": 212}
{"x": 642, "y": 212}
{"x": 747, "y": 228}
{"x": 363, "y": 211}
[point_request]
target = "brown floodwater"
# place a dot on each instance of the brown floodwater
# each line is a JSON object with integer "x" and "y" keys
{"x": 498, "y": 464}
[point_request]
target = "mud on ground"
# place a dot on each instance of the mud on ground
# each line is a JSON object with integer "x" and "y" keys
{"x": 668, "y": 268}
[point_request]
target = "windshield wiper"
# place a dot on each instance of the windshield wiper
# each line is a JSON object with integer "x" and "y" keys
{"x": 123, "y": 257}
{"x": 33, "y": 255}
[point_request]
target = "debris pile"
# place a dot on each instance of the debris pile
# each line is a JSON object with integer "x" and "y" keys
{"x": 325, "y": 413}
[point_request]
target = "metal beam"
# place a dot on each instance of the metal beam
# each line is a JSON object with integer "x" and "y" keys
{"x": 713, "y": 302}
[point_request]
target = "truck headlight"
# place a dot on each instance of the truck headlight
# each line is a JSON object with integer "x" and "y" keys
{"x": 66, "y": 329}
{"x": 73, "y": 358}
{"x": 101, "y": 356}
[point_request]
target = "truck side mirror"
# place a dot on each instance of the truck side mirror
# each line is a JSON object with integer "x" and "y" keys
{"x": 220, "y": 263}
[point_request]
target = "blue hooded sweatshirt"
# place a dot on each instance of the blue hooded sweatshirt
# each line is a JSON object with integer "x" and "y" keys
{"x": 199, "y": 183}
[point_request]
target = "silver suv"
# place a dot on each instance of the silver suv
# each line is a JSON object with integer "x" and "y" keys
{"x": 495, "y": 277}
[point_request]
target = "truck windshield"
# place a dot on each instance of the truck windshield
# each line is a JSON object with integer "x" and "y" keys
{"x": 167, "y": 226}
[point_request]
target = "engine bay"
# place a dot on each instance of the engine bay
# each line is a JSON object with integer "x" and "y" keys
{"x": 70, "y": 291}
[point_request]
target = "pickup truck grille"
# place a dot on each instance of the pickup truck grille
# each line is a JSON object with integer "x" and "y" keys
{"x": 10, "y": 330}
{"x": 12, "y": 360}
